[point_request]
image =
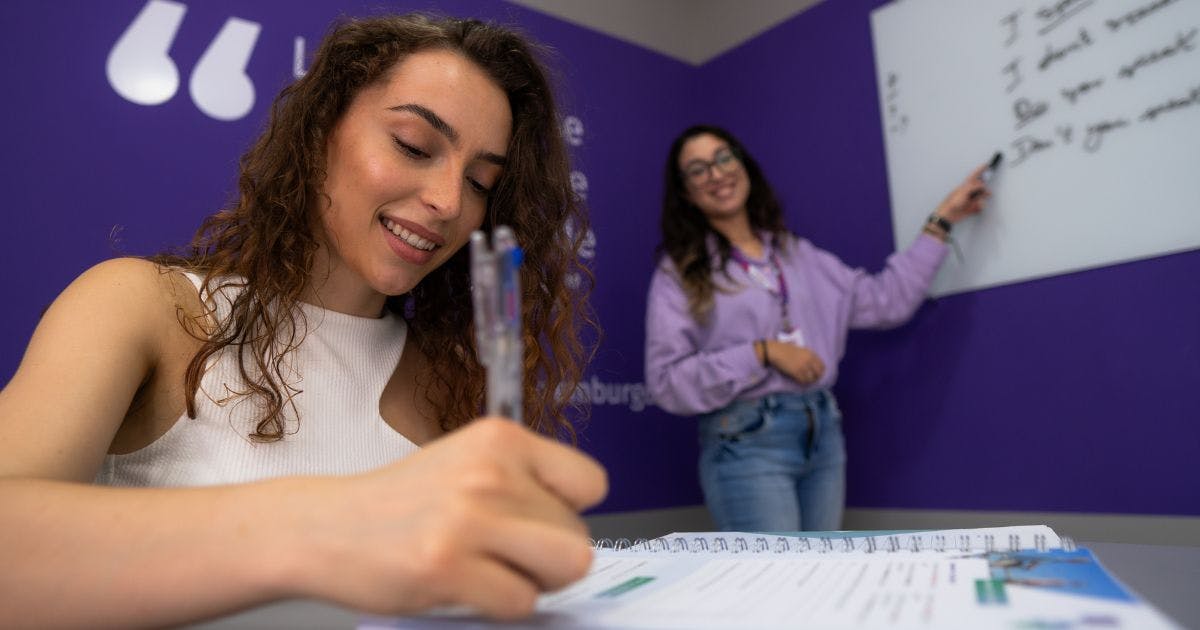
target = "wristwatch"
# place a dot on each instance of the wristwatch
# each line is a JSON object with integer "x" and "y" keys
{"x": 943, "y": 224}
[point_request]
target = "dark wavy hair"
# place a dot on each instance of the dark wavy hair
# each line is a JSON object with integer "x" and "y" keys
{"x": 263, "y": 243}
{"x": 685, "y": 229}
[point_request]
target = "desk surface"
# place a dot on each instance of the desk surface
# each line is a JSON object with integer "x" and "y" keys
{"x": 1166, "y": 577}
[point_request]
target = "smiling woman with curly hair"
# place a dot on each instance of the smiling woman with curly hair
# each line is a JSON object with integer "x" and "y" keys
{"x": 307, "y": 369}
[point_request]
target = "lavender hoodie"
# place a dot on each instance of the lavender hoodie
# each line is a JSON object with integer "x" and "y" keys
{"x": 693, "y": 369}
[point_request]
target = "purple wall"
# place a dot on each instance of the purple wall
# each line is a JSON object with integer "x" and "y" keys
{"x": 1072, "y": 385}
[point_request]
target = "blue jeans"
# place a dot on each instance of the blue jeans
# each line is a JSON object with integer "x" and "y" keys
{"x": 775, "y": 464}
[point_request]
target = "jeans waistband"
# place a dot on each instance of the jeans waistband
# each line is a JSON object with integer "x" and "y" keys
{"x": 818, "y": 398}
{"x": 819, "y": 403}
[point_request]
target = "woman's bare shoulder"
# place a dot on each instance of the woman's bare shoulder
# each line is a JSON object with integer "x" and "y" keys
{"x": 99, "y": 341}
{"x": 136, "y": 283}
{"x": 140, "y": 302}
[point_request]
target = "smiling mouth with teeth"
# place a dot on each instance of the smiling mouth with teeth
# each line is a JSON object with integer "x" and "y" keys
{"x": 408, "y": 237}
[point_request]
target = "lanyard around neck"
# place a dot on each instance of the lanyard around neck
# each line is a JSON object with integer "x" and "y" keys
{"x": 754, "y": 269}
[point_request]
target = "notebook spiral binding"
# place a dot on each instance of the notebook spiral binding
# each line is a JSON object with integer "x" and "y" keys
{"x": 821, "y": 544}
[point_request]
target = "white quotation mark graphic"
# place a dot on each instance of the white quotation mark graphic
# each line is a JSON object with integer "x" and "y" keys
{"x": 219, "y": 85}
{"x": 138, "y": 67}
{"x": 140, "y": 70}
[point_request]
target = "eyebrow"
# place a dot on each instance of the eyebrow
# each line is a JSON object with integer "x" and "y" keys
{"x": 445, "y": 129}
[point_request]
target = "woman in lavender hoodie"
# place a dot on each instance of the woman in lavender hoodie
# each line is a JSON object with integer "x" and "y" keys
{"x": 745, "y": 325}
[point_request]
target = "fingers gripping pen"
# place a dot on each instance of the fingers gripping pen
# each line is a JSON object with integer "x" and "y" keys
{"x": 496, "y": 293}
{"x": 988, "y": 173}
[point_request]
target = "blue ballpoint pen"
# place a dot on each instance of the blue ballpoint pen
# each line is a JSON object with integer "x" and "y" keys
{"x": 496, "y": 294}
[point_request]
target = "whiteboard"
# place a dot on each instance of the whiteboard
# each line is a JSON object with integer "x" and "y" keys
{"x": 1094, "y": 103}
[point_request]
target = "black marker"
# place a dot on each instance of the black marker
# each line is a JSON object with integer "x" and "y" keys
{"x": 988, "y": 172}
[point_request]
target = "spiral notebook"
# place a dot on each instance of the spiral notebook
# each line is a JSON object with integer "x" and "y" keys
{"x": 1024, "y": 537}
{"x": 1001, "y": 577}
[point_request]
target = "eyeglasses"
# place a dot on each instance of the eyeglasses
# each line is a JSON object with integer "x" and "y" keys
{"x": 698, "y": 171}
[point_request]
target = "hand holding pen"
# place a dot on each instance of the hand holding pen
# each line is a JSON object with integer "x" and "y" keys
{"x": 967, "y": 198}
{"x": 496, "y": 293}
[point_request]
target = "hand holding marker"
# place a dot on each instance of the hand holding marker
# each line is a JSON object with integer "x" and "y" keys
{"x": 988, "y": 173}
{"x": 496, "y": 293}
{"x": 962, "y": 202}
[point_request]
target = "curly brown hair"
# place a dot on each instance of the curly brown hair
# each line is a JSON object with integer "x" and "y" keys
{"x": 685, "y": 229}
{"x": 264, "y": 244}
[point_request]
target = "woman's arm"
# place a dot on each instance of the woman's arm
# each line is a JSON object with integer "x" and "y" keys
{"x": 92, "y": 349}
{"x": 890, "y": 297}
{"x": 486, "y": 517}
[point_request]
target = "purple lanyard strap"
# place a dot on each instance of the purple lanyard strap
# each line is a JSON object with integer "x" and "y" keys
{"x": 780, "y": 290}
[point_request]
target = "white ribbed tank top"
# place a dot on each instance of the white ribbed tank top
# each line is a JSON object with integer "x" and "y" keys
{"x": 342, "y": 367}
